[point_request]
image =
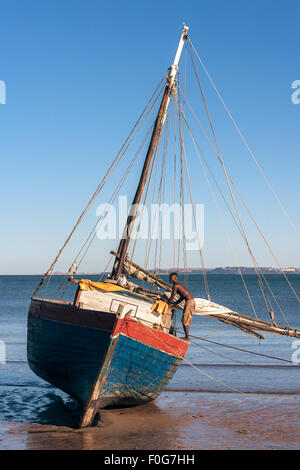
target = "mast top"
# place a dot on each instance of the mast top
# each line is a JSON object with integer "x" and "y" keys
{"x": 185, "y": 29}
{"x": 180, "y": 45}
{"x": 160, "y": 120}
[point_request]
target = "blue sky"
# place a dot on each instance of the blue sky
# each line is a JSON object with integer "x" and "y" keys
{"x": 77, "y": 76}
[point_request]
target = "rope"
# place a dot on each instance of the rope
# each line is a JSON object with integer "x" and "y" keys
{"x": 174, "y": 195}
{"x": 149, "y": 240}
{"x": 243, "y": 350}
{"x": 190, "y": 363}
{"x": 219, "y": 189}
{"x": 182, "y": 202}
{"x": 144, "y": 203}
{"x": 272, "y": 190}
{"x": 194, "y": 216}
{"x": 246, "y": 144}
{"x": 98, "y": 224}
{"x": 111, "y": 168}
{"x": 159, "y": 200}
{"x": 162, "y": 198}
{"x": 222, "y": 221}
{"x": 198, "y": 151}
{"x": 110, "y": 258}
{"x": 220, "y": 355}
{"x": 264, "y": 294}
{"x": 267, "y": 244}
{"x": 201, "y": 371}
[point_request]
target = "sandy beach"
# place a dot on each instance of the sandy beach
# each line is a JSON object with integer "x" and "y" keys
{"x": 150, "y": 229}
{"x": 197, "y": 410}
{"x": 177, "y": 420}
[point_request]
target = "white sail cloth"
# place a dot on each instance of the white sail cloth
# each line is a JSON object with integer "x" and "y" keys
{"x": 206, "y": 307}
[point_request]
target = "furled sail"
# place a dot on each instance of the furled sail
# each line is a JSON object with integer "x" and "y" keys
{"x": 132, "y": 269}
{"x": 249, "y": 324}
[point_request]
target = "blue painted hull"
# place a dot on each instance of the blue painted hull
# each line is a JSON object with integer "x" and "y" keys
{"x": 98, "y": 359}
{"x": 137, "y": 373}
{"x": 65, "y": 355}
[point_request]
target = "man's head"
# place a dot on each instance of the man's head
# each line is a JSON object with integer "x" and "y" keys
{"x": 173, "y": 277}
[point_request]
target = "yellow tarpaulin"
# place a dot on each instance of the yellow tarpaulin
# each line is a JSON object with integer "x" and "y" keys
{"x": 86, "y": 284}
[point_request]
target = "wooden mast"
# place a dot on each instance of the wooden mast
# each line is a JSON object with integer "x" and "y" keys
{"x": 160, "y": 119}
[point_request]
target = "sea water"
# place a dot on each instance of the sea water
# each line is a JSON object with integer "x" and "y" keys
{"x": 209, "y": 367}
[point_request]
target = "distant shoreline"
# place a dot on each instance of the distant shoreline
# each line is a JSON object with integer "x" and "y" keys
{"x": 165, "y": 271}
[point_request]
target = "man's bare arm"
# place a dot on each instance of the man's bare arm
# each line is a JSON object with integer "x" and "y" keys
{"x": 174, "y": 290}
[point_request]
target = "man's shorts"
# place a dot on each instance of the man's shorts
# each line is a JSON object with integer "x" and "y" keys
{"x": 188, "y": 311}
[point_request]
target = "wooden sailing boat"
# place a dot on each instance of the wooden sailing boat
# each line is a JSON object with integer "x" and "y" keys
{"x": 114, "y": 345}
{"x": 103, "y": 349}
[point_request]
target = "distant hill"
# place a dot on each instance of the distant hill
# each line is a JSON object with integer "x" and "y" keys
{"x": 233, "y": 270}
{"x": 218, "y": 270}
{"x": 251, "y": 270}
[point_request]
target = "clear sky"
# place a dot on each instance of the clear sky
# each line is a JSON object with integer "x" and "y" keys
{"x": 77, "y": 75}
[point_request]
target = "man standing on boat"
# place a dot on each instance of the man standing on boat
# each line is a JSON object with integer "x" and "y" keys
{"x": 189, "y": 307}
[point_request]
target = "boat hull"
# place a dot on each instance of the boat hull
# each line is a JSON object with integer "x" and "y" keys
{"x": 80, "y": 351}
{"x": 138, "y": 373}
{"x": 66, "y": 345}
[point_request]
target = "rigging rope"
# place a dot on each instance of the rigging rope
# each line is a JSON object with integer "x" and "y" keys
{"x": 158, "y": 201}
{"x": 190, "y": 363}
{"x": 195, "y": 221}
{"x": 144, "y": 202}
{"x": 257, "y": 270}
{"x": 200, "y": 370}
{"x": 182, "y": 198}
{"x": 111, "y": 168}
{"x": 198, "y": 151}
{"x": 149, "y": 240}
{"x": 222, "y": 221}
{"x": 220, "y": 355}
{"x": 174, "y": 195}
{"x": 242, "y": 350}
{"x": 162, "y": 196}
{"x": 98, "y": 224}
{"x": 245, "y": 143}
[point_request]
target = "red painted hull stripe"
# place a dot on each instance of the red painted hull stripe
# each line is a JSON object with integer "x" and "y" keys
{"x": 150, "y": 337}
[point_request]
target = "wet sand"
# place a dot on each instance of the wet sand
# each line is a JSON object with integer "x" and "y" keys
{"x": 177, "y": 420}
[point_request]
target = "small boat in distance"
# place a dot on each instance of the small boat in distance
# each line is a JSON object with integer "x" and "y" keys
{"x": 114, "y": 345}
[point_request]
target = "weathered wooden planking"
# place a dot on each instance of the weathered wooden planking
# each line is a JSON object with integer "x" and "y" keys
{"x": 138, "y": 365}
{"x": 92, "y": 404}
{"x": 138, "y": 373}
{"x": 66, "y": 355}
{"x": 98, "y": 358}
{"x": 68, "y": 313}
{"x": 66, "y": 344}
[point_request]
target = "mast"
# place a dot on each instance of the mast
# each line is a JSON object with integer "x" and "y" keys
{"x": 159, "y": 122}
